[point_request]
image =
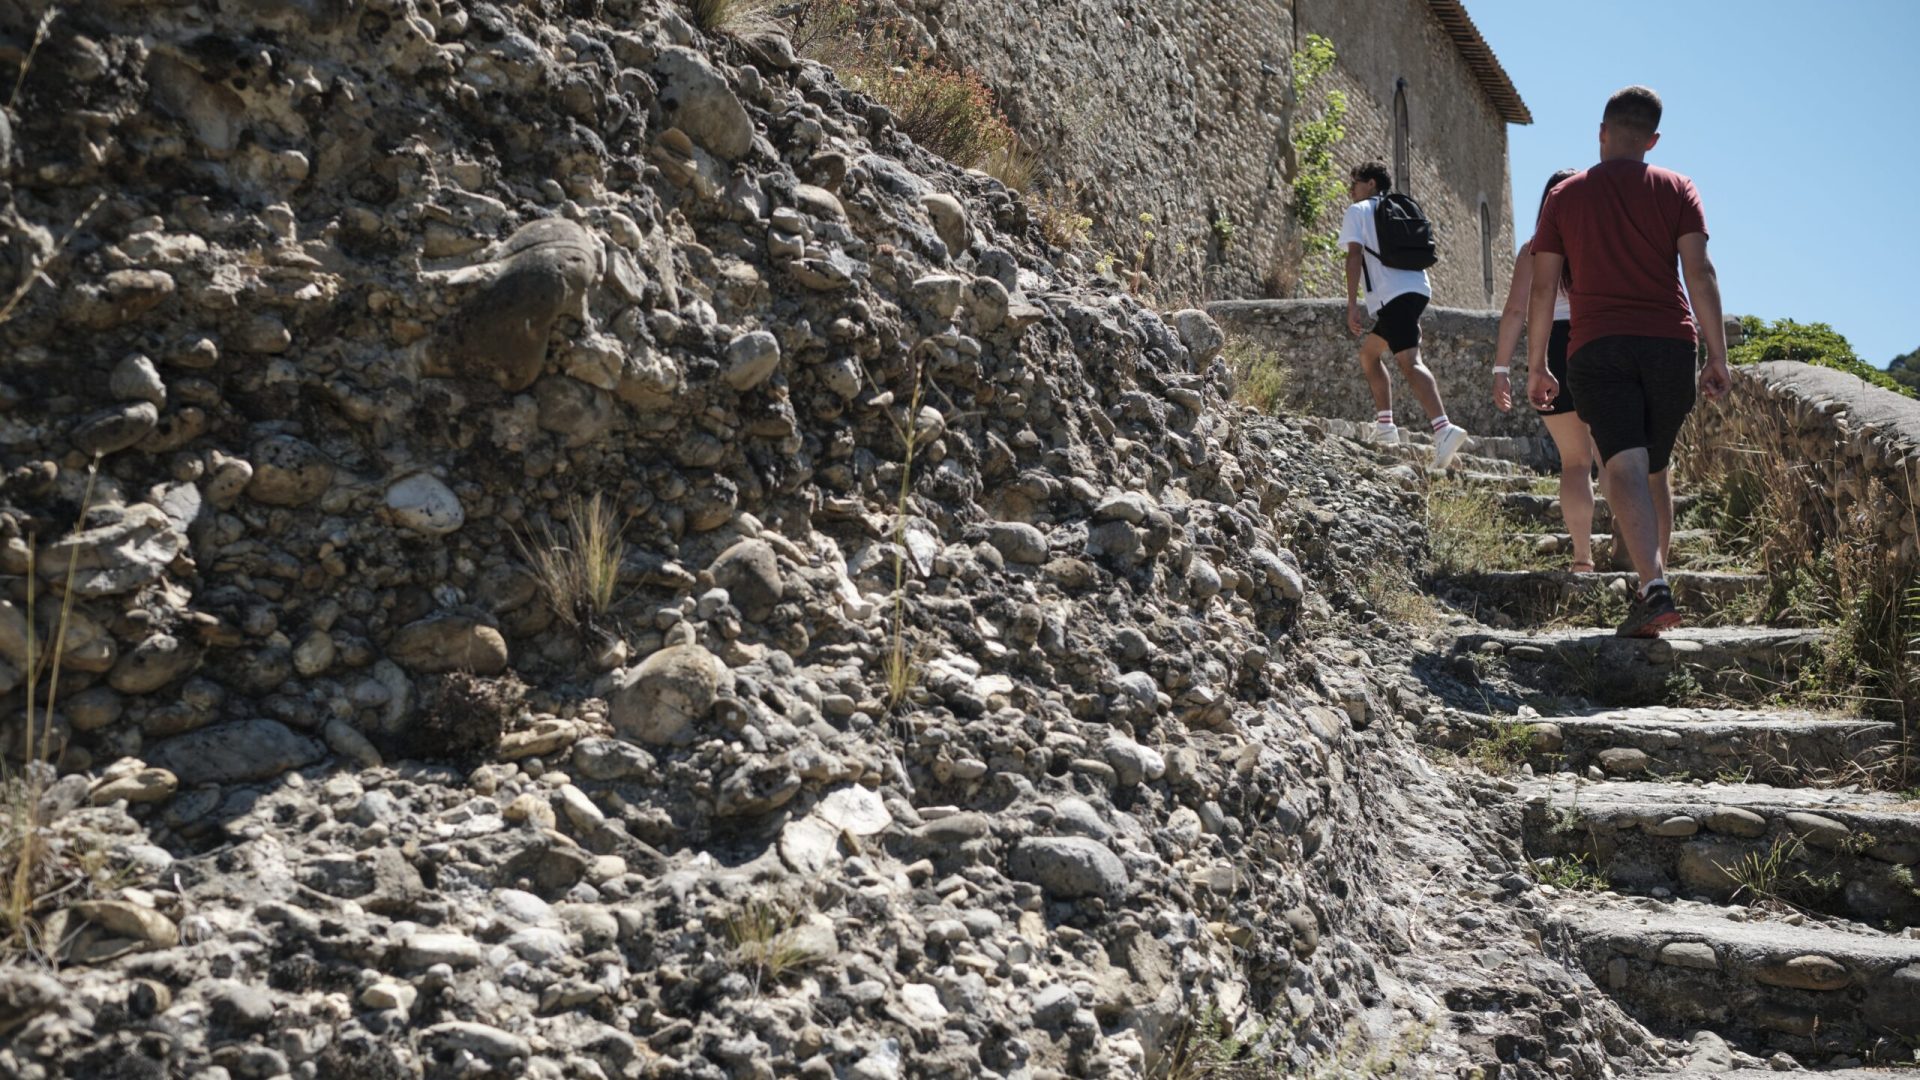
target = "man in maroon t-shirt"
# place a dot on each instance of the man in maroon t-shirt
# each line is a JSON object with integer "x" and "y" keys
{"x": 1616, "y": 229}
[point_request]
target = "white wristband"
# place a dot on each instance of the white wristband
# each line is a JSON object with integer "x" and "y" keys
{"x": 1501, "y": 370}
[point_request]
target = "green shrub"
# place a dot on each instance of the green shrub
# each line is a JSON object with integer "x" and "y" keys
{"x": 1905, "y": 368}
{"x": 1809, "y": 343}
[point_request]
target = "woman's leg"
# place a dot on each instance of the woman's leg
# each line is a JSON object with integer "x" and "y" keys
{"x": 1576, "y": 483}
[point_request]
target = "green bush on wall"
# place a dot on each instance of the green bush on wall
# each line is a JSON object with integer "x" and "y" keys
{"x": 1809, "y": 343}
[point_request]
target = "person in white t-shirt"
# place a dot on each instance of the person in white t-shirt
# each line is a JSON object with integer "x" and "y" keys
{"x": 1570, "y": 435}
{"x": 1395, "y": 299}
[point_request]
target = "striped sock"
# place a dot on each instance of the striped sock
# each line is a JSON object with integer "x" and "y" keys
{"x": 1440, "y": 423}
{"x": 1384, "y": 418}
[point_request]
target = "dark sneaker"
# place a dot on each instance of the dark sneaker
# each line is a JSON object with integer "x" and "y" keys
{"x": 1650, "y": 614}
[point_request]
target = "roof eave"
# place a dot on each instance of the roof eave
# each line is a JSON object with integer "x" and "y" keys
{"x": 1494, "y": 82}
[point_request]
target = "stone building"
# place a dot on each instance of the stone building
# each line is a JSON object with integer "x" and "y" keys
{"x": 1426, "y": 95}
{"x": 1183, "y": 110}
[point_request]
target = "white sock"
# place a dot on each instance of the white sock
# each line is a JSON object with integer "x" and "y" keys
{"x": 1648, "y": 587}
{"x": 1384, "y": 418}
{"x": 1441, "y": 423}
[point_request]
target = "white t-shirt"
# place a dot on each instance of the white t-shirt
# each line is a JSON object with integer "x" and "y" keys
{"x": 1382, "y": 283}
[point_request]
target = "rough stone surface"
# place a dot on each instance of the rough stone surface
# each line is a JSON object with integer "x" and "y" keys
{"x": 1068, "y": 866}
{"x": 662, "y": 701}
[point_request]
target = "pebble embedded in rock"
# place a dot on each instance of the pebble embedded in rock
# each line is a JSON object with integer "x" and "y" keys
{"x": 115, "y": 429}
{"x": 1018, "y": 541}
{"x": 659, "y": 702}
{"x": 1623, "y": 760}
{"x": 288, "y": 471}
{"x": 421, "y": 951}
{"x": 444, "y": 643}
{"x": 751, "y": 359}
{"x": 750, "y": 572}
{"x": 1068, "y": 867}
{"x": 426, "y": 505}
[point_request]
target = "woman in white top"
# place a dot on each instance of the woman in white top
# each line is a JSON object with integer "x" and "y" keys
{"x": 1568, "y": 431}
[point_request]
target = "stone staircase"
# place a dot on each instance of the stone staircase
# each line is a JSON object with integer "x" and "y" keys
{"x": 1737, "y": 875}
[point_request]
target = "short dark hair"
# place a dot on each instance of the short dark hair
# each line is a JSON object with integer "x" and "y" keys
{"x": 1375, "y": 171}
{"x": 1637, "y": 108}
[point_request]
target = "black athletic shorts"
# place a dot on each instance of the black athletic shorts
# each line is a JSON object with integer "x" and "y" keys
{"x": 1399, "y": 321}
{"x": 1557, "y": 364}
{"x": 1634, "y": 392}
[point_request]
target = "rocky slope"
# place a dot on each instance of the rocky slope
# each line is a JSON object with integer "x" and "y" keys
{"x": 369, "y": 297}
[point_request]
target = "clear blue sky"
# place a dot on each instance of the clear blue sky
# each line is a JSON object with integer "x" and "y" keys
{"x": 1793, "y": 118}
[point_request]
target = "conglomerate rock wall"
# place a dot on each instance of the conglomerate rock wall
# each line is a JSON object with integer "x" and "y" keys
{"x": 367, "y": 298}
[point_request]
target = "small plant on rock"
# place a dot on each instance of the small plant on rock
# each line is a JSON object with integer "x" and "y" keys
{"x": 578, "y": 564}
{"x": 24, "y": 842}
{"x": 1571, "y": 873}
{"x": 1209, "y": 1046}
{"x": 1261, "y": 378}
{"x": 1222, "y": 232}
{"x": 763, "y": 939}
{"x": 1012, "y": 163}
{"x": 901, "y": 665}
{"x": 1503, "y": 748}
{"x": 1056, "y": 211}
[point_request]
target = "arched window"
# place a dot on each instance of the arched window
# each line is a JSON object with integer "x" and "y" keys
{"x": 1486, "y": 247}
{"x": 1402, "y": 149}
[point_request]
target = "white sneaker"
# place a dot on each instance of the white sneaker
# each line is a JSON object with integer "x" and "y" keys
{"x": 1448, "y": 443}
{"x": 1389, "y": 436}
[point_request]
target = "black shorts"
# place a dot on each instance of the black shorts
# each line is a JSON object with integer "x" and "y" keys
{"x": 1557, "y": 364}
{"x": 1634, "y": 392}
{"x": 1398, "y": 322}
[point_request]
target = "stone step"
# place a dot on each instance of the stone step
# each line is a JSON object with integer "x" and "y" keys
{"x": 1812, "y": 992}
{"x": 1536, "y": 596}
{"x": 1696, "y": 548}
{"x": 1499, "y": 454}
{"x": 1737, "y": 664}
{"x": 1516, "y": 481}
{"x": 1535, "y": 509}
{"x": 1782, "y": 748}
{"x": 1775, "y": 1074}
{"x": 1845, "y": 853}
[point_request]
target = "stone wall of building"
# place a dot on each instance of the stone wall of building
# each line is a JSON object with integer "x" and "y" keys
{"x": 1180, "y": 109}
{"x": 1458, "y": 142}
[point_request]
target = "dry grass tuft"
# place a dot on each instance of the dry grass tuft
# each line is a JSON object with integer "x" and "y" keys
{"x": 1261, "y": 377}
{"x": 1472, "y": 532}
{"x": 762, "y": 938}
{"x": 578, "y": 565}
{"x": 739, "y": 18}
{"x": 24, "y": 841}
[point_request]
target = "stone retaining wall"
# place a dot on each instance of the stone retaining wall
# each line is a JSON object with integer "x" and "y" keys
{"x": 1850, "y": 450}
{"x": 1312, "y": 336}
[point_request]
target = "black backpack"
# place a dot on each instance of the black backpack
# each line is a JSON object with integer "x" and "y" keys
{"x": 1406, "y": 236}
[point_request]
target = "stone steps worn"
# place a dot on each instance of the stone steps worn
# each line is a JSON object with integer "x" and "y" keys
{"x": 1738, "y": 665}
{"x": 1811, "y": 992}
{"x": 1534, "y": 596}
{"x": 1783, "y": 748}
{"x": 1776, "y": 1075}
{"x": 1843, "y": 853}
{"x": 1694, "y": 548}
{"x": 1497, "y": 454}
{"x": 1536, "y": 509}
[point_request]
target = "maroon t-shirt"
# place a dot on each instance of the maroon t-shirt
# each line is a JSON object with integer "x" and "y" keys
{"x": 1619, "y": 225}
